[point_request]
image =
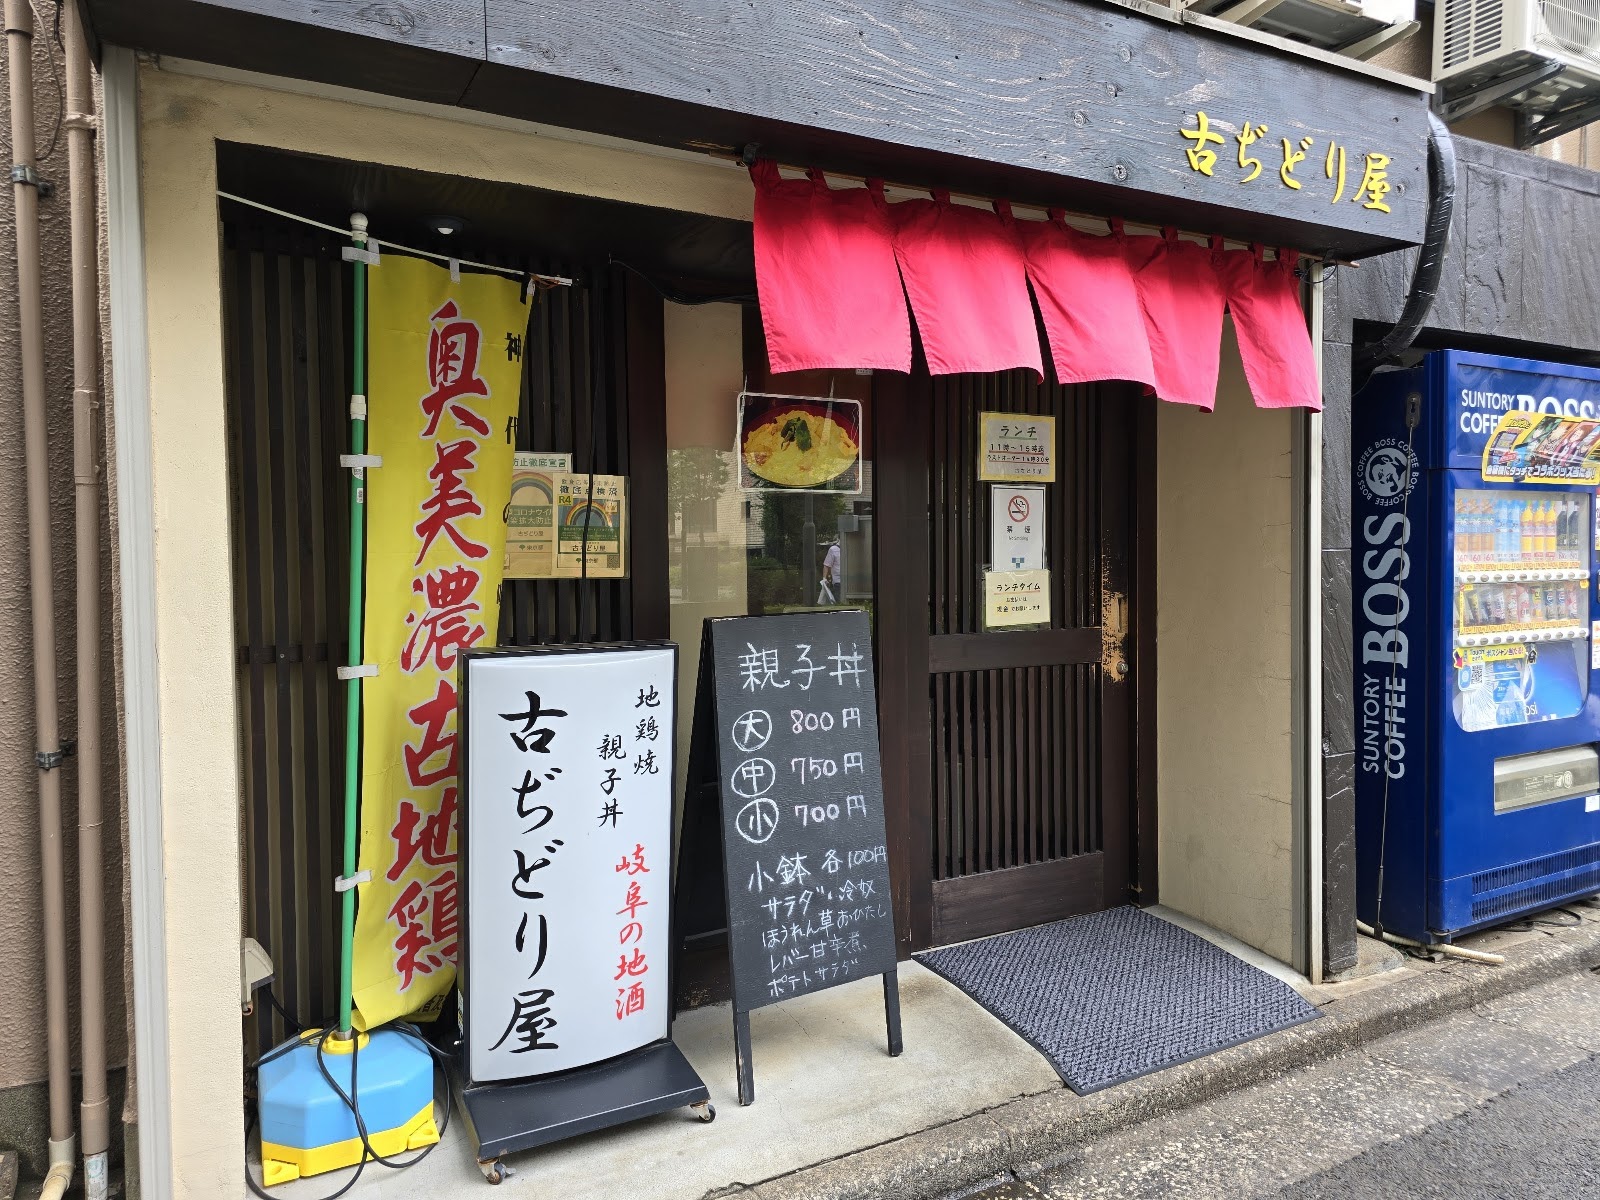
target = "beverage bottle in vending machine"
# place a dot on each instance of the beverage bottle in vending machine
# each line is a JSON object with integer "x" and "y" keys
{"x": 1505, "y": 552}
{"x": 1527, "y": 536}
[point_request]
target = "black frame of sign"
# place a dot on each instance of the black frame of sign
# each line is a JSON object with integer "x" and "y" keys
{"x": 704, "y": 819}
{"x": 507, "y": 1116}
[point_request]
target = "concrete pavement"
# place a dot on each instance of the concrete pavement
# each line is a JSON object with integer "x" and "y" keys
{"x": 1502, "y": 1100}
{"x": 970, "y": 1104}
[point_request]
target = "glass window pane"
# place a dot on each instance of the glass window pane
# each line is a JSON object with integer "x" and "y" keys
{"x": 741, "y": 544}
{"x": 1521, "y": 621}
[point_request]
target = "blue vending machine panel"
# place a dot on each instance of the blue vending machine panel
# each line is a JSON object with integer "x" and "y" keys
{"x": 1474, "y": 558}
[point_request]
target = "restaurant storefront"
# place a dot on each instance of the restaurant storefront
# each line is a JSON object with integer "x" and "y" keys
{"x": 1146, "y": 734}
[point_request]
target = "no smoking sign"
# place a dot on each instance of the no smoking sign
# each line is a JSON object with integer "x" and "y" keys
{"x": 1017, "y": 527}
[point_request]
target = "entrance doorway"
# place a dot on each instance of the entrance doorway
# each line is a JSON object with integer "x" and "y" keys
{"x": 1019, "y": 777}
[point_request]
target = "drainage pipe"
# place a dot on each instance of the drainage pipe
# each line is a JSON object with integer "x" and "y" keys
{"x": 1430, "y": 260}
{"x": 47, "y": 733}
{"x": 1477, "y": 956}
{"x": 94, "y": 1113}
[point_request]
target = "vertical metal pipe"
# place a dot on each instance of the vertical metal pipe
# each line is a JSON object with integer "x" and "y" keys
{"x": 358, "y": 532}
{"x": 25, "y": 198}
{"x": 95, "y": 1108}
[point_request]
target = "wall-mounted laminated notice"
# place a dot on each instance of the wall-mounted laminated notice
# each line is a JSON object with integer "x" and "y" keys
{"x": 1016, "y": 448}
{"x": 1016, "y": 598}
{"x": 786, "y": 722}
{"x": 531, "y": 514}
{"x": 1017, "y": 520}
{"x": 591, "y": 527}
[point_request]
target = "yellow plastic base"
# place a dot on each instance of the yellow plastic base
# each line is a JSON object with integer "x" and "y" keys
{"x": 280, "y": 1164}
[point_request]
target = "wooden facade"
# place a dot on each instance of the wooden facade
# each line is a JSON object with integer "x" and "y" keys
{"x": 1072, "y": 102}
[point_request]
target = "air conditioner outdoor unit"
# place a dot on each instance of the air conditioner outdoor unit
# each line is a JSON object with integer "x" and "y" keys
{"x": 1540, "y": 57}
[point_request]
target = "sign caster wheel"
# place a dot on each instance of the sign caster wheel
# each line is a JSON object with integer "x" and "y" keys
{"x": 706, "y": 1112}
{"x": 494, "y": 1170}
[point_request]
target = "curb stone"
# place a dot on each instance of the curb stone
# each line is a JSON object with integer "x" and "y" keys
{"x": 1042, "y": 1130}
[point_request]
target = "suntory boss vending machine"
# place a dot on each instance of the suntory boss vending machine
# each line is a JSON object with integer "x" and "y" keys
{"x": 1477, "y": 739}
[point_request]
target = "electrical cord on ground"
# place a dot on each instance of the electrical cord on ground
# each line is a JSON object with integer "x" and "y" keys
{"x": 320, "y": 1037}
{"x": 290, "y": 1021}
{"x": 1544, "y": 919}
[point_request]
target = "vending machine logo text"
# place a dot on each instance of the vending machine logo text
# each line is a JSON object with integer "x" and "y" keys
{"x": 1385, "y": 648}
{"x": 1386, "y": 472}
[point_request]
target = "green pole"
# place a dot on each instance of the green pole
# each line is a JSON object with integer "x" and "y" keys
{"x": 352, "y": 692}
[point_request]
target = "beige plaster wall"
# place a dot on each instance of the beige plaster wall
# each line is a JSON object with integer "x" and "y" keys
{"x": 182, "y": 116}
{"x": 1224, "y": 647}
{"x": 22, "y": 1043}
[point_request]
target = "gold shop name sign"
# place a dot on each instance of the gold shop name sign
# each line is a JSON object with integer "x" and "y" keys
{"x": 1339, "y": 167}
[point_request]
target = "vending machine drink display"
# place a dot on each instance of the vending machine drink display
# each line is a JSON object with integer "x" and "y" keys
{"x": 1477, "y": 728}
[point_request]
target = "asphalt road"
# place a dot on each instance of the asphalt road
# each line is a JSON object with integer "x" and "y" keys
{"x": 1501, "y": 1101}
{"x": 1539, "y": 1140}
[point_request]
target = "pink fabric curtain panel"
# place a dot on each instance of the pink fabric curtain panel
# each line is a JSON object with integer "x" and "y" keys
{"x": 964, "y": 273}
{"x": 836, "y": 268}
{"x": 1088, "y": 302}
{"x": 1264, "y": 301}
{"x": 826, "y": 276}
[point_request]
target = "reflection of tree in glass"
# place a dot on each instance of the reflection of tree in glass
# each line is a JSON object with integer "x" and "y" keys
{"x": 696, "y": 478}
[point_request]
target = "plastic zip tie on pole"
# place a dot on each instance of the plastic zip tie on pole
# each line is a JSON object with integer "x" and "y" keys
{"x": 355, "y": 254}
{"x": 360, "y": 460}
{"x": 358, "y": 407}
{"x": 455, "y": 270}
{"x": 344, "y": 883}
{"x": 364, "y": 671}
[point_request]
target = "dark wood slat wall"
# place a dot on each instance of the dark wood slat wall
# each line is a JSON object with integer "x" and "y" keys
{"x": 284, "y": 299}
{"x": 1016, "y": 754}
{"x": 901, "y": 569}
{"x": 592, "y": 364}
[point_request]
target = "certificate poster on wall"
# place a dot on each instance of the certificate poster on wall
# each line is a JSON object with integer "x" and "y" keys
{"x": 565, "y": 858}
{"x": 1016, "y": 448}
{"x": 531, "y": 514}
{"x": 591, "y": 526}
{"x": 799, "y": 444}
{"x": 1017, "y": 526}
{"x": 1016, "y": 599}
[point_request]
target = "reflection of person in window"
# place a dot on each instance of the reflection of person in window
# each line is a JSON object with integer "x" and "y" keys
{"x": 829, "y": 591}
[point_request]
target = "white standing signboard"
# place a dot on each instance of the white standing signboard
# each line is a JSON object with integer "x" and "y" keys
{"x": 567, "y": 847}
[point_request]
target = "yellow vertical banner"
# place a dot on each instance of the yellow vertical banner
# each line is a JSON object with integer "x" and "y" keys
{"x": 444, "y": 377}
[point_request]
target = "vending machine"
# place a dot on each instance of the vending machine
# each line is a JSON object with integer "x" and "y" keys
{"x": 1477, "y": 739}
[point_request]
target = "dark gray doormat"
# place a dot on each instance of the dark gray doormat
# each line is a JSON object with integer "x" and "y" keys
{"x": 1114, "y": 995}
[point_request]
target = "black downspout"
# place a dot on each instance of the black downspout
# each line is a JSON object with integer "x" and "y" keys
{"x": 1371, "y": 355}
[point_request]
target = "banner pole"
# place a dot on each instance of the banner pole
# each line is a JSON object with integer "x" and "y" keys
{"x": 358, "y": 530}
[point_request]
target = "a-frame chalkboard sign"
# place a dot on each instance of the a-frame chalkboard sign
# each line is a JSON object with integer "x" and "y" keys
{"x": 784, "y": 770}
